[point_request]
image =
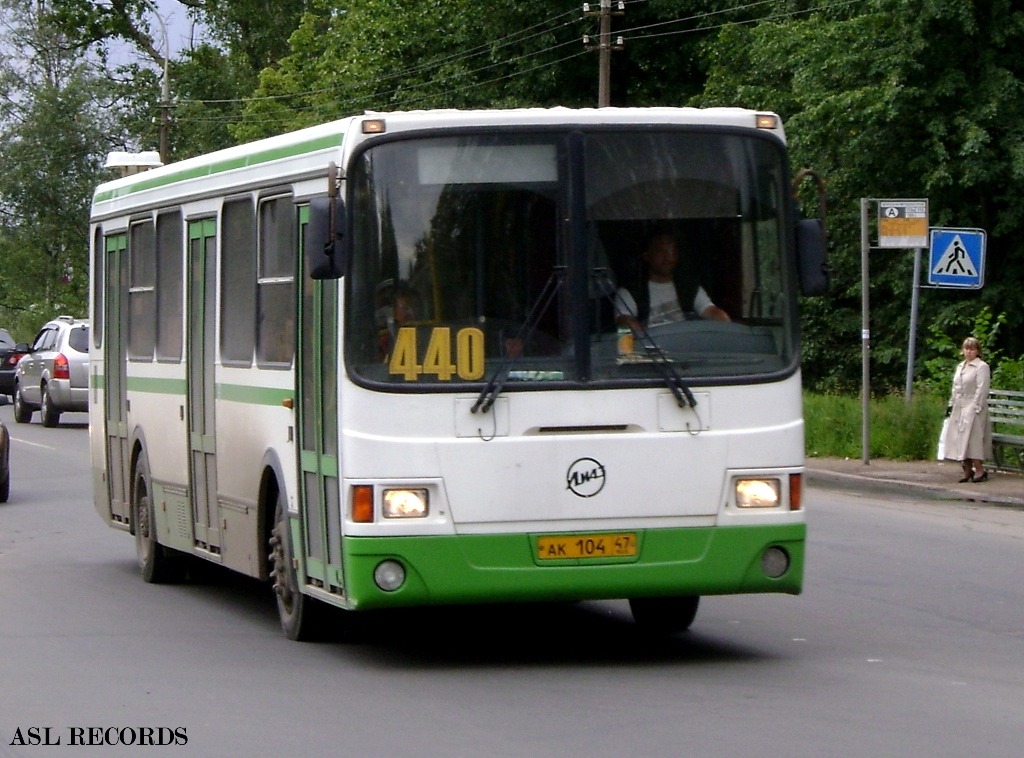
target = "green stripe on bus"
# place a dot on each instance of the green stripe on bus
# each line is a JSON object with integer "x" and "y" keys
{"x": 155, "y": 385}
{"x": 321, "y": 464}
{"x": 243, "y": 393}
{"x": 231, "y": 164}
{"x": 236, "y": 393}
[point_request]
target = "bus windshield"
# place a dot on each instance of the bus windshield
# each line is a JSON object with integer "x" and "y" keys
{"x": 604, "y": 256}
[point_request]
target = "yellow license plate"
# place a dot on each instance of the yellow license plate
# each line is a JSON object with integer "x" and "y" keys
{"x": 564, "y": 546}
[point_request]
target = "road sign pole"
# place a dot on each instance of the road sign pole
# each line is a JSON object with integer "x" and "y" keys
{"x": 865, "y": 335}
{"x": 915, "y": 299}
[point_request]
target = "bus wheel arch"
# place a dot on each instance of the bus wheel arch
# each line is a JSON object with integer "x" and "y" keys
{"x": 270, "y": 489}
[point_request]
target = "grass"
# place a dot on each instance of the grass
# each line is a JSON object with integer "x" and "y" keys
{"x": 898, "y": 430}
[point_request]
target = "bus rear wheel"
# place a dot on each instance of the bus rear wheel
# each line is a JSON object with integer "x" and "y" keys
{"x": 665, "y": 615}
{"x": 156, "y": 563}
{"x": 301, "y": 616}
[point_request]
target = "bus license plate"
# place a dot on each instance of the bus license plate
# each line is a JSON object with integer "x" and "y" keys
{"x": 564, "y": 546}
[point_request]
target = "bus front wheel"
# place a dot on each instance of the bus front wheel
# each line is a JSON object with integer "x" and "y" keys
{"x": 665, "y": 615}
{"x": 300, "y": 614}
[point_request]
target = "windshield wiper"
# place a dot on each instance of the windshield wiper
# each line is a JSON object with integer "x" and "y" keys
{"x": 684, "y": 397}
{"x": 540, "y": 306}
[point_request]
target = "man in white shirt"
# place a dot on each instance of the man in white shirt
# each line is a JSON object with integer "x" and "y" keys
{"x": 662, "y": 296}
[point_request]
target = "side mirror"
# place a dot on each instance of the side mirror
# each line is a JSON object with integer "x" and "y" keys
{"x": 323, "y": 240}
{"x": 812, "y": 265}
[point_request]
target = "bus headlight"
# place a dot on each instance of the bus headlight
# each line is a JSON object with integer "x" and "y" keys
{"x": 758, "y": 493}
{"x": 405, "y": 503}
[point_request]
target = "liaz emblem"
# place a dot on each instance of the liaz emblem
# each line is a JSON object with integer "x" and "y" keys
{"x": 585, "y": 477}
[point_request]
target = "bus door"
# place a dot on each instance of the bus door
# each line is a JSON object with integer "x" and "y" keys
{"x": 116, "y": 371}
{"x": 317, "y": 391}
{"x": 201, "y": 392}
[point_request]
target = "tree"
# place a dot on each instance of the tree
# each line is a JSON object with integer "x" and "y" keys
{"x": 438, "y": 54}
{"x": 256, "y": 32}
{"x": 871, "y": 102}
{"x": 51, "y": 131}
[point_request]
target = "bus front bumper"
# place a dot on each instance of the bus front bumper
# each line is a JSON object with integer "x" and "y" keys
{"x": 444, "y": 570}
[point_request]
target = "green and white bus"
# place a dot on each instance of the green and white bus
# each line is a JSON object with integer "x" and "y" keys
{"x": 375, "y": 362}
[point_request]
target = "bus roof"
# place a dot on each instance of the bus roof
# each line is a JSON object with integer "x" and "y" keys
{"x": 307, "y": 151}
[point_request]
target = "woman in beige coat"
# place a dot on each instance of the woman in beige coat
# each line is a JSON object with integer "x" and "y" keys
{"x": 969, "y": 435}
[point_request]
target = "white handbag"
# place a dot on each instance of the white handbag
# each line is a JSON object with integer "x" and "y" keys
{"x": 941, "y": 451}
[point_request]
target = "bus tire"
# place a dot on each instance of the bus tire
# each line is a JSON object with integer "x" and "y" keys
{"x": 665, "y": 615}
{"x": 157, "y": 564}
{"x": 301, "y": 616}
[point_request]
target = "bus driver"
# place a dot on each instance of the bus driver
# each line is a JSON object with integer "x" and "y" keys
{"x": 659, "y": 302}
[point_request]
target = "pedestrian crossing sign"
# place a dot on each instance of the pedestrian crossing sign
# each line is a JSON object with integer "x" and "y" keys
{"x": 957, "y": 258}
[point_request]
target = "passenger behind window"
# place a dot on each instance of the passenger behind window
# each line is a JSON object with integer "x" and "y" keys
{"x": 397, "y": 306}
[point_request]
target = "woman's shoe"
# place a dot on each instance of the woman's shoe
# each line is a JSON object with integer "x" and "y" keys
{"x": 982, "y": 478}
{"x": 968, "y": 478}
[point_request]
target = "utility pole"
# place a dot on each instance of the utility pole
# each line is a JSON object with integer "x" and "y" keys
{"x": 604, "y": 46}
{"x": 165, "y": 88}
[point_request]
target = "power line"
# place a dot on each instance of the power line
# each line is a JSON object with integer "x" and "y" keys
{"x": 698, "y": 17}
{"x": 514, "y": 38}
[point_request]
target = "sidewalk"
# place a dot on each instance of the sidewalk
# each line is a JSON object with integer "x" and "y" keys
{"x": 929, "y": 479}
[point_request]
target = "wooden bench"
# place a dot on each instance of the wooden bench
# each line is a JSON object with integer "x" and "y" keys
{"x": 1006, "y": 414}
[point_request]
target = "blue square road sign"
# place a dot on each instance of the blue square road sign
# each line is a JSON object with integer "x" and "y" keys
{"x": 957, "y": 258}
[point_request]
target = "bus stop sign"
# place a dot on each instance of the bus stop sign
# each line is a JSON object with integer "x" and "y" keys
{"x": 902, "y": 223}
{"x": 957, "y": 258}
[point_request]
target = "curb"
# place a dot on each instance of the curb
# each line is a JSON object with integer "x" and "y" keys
{"x": 921, "y": 490}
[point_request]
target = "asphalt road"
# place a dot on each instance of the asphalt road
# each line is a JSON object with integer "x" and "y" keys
{"x": 908, "y": 640}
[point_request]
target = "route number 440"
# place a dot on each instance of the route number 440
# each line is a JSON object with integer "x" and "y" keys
{"x": 467, "y": 349}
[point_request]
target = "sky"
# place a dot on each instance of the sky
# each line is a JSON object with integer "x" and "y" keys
{"x": 179, "y": 25}
{"x": 180, "y": 33}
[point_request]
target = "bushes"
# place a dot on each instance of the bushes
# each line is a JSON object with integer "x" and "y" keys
{"x": 904, "y": 431}
{"x": 898, "y": 430}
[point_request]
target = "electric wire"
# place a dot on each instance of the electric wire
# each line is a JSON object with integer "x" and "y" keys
{"x": 359, "y": 102}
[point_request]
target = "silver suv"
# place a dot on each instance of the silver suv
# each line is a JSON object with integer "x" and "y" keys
{"x": 53, "y": 376}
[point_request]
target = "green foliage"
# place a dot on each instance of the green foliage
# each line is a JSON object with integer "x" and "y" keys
{"x": 899, "y": 430}
{"x": 943, "y": 340}
{"x": 832, "y": 426}
{"x": 255, "y": 32}
{"x": 867, "y": 91}
{"x": 48, "y": 167}
{"x": 1009, "y": 374}
{"x": 871, "y": 102}
{"x": 207, "y": 82}
{"x": 452, "y": 54}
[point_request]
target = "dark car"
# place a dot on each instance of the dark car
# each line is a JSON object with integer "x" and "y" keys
{"x": 10, "y": 354}
{"x": 5, "y": 463}
{"x": 53, "y": 376}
